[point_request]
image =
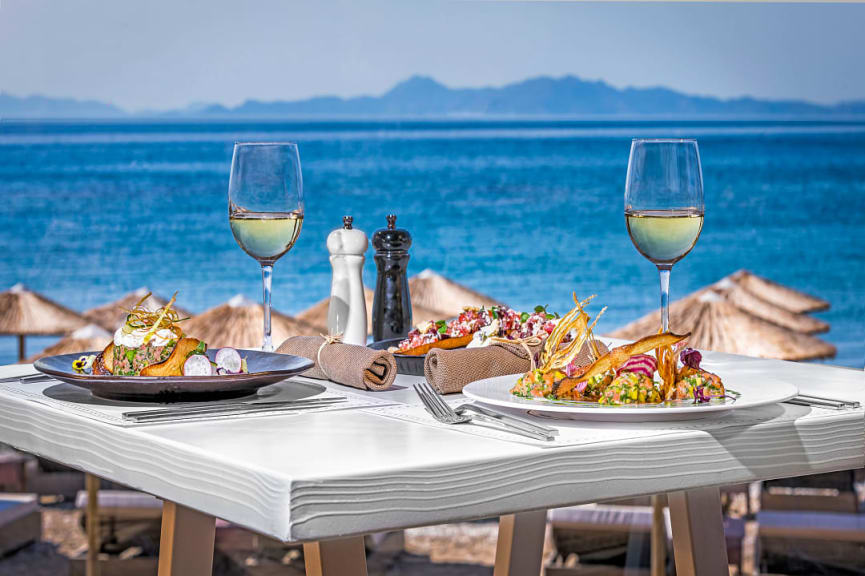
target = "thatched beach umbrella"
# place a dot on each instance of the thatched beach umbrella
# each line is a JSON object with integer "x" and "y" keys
{"x": 725, "y": 318}
{"x": 720, "y": 325}
{"x": 746, "y": 300}
{"x": 316, "y": 315}
{"x": 238, "y": 323}
{"x": 85, "y": 339}
{"x": 734, "y": 294}
{"x": 777, "y": 294}
{"x": 435, "y": 293}
{"x": 26, "y": 313}
{"x": 110, "y": 316}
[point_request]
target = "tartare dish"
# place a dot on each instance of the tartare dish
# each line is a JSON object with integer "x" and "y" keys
{"x": 625, "y": 375}
{"x": 152, "y": 343}
{"x": 476, "y": 327}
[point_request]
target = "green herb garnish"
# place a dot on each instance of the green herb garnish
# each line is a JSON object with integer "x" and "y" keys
{"x": 200, "y": 349}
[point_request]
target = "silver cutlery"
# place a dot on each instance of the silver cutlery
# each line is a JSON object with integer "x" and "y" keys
{"x": 506, "y": 418}
{"x": 484, "y": 411}
{"x": 38, "y": 376}
{"x": 811, "y": 397}
{"x": 213, "y": 410}
{"x": 442, "y": 412}
{"x": 822, "y": 402}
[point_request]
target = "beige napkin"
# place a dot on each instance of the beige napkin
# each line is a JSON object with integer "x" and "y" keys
{"x": 347, "y": 364}
{"x": 448, "y": 371}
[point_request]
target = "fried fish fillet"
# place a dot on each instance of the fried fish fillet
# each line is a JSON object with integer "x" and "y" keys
{"x": 615, "y": 358}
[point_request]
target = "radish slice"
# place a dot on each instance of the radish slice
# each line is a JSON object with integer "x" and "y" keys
{"x": 229, "y": 360}
{"x": 197, "y": 365}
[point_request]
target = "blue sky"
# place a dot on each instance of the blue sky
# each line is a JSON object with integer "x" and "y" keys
{"x": 162, "y": 54}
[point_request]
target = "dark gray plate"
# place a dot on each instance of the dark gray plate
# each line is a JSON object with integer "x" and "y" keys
{"x": 409, "y": 365}
{"x": 264, "y": 368}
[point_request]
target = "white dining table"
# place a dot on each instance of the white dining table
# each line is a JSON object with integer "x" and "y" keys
{"x": 327, "y": 478}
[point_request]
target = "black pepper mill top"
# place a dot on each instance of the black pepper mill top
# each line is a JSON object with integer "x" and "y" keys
{"x": 391, "y": 308}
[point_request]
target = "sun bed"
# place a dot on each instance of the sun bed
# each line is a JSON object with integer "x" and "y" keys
{"x": 603, "y": 533}
{"x": 20, "y": 521}
{"x": 812, "y": 523}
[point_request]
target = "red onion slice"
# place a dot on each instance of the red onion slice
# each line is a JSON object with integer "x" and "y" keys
{"x": 691, "y": 358}
{"x": 639, "y": 364}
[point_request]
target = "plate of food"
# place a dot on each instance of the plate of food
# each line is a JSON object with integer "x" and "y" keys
{"x": 655, "y": 378}
{"x": 151, "y": 358}
{"x": 474, "y": 327}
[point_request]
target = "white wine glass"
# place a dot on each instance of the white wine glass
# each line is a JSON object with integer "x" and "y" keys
{"x": 265, "y": 207}
{"x": 664, "y": 204}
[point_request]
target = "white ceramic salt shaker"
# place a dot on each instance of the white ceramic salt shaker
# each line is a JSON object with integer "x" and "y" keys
{"x": 346, "y": 313}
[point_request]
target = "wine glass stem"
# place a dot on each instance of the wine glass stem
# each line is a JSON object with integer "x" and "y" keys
{"x": 664, "y": 273}
{"x": 266, "y": 281}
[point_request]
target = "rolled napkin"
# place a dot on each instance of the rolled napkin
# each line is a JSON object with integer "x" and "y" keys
{"x": 449, "y": 371}
{"x": 347, "y": 364}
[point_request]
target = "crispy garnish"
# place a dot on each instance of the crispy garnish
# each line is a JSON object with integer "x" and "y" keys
{"x": 153, "y": 320}
{"x": 616, "y": 357}
{"x": 666, "y": 369}
{"x": 554, "y": 356}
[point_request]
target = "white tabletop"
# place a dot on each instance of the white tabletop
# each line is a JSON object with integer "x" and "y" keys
{"x": 323, "y": 475}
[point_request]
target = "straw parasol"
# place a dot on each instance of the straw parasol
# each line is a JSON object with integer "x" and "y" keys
{"x": 86, "y": 339}
{"x": 316, "y": 315}
{"x": 727, "y": 318}
{"x": 744, "y": 298}
{"x": 238, "y": 323}
{"x": 110, "y": 316}
{"x": 782, "y": 296}
{"x": 23, "y": 313}
{"x": 432, "y": 292}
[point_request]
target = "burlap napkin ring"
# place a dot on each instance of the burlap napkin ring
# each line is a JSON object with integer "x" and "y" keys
{"x": 328, "y": 339}
{"x": 526, "y": 343}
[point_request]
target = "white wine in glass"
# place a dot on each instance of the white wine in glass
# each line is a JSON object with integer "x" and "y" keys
{"x": 664, "y": 236}
{"x": 664, "y": 205}
{"x": 265, "y": 208}
{"x": 266, "y": 236}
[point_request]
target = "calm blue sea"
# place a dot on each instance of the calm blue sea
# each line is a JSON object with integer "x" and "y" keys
{"x": 525, "y": 211}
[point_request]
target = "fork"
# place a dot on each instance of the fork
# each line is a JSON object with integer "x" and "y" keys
{"x": 442, "y": 412}
{"x": 484, "y": 411}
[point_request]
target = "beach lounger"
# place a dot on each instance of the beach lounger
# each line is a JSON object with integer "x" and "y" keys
{"x": 602, "y": 533}
{"x": 20, "y": 521}
{"x": 812, "y": 525}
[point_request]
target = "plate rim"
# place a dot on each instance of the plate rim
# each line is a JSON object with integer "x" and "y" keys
{"x": 626, "y": 411}
{"x": 108, "y": 378}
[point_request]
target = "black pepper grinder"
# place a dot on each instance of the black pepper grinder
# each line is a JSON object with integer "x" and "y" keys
{"x": 391, "y": 305}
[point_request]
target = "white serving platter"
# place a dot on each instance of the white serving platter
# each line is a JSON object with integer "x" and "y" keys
{"x": 749, "y": 392}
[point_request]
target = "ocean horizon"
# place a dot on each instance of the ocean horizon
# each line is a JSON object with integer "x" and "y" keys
{"x": 526, "y": 211}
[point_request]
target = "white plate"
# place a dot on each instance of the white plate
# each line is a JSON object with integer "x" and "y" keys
{"x": 752, "y": 391}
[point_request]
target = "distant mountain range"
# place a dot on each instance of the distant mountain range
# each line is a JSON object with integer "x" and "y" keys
{"x": 424, "y": 96}
{"x": 44, "y": 107}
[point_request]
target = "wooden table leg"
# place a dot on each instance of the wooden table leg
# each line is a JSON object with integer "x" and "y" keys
{"x": 345, "y": 557}
{"x": 91, "y": 565}
{"x": 186, "y": 544}
{"x": 698, "y": 533}
{"x": 520, "y": 547}
{"x": 659, "y": 537}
